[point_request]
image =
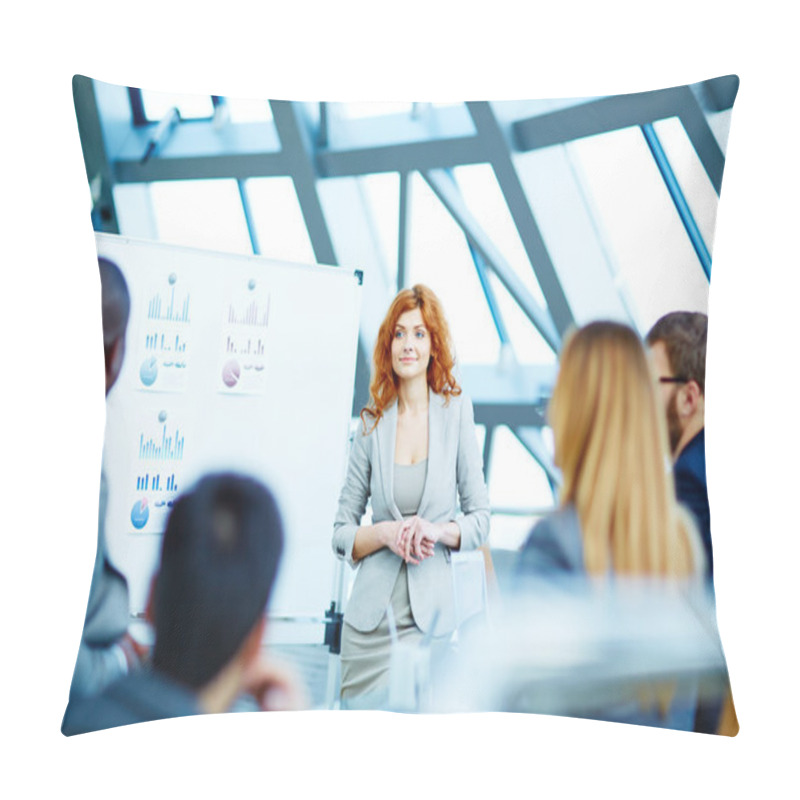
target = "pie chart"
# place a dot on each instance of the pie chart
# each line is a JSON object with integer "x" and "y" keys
{"x": 148, "y": 372}
{"x": 231, "y": 372}
{"x": 140, "y": 513}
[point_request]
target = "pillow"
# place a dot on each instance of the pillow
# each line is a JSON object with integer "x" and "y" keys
{"x": 248, "y": 253}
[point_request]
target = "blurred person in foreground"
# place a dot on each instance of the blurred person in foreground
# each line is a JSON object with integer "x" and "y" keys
{"x": 219, "y": 558}
{"x": 107, "y": 651}
{"x": 618, "y": 514}
{"x": 677, "y": 345}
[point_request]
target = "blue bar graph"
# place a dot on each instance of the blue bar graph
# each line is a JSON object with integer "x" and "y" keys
{"x": 164, "y": 342}
{"x": 168, "y": 311}
{"x": 156, "y": 483}
{"x": 170, "y": 448}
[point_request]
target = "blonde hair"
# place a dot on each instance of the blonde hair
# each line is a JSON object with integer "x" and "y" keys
{"x": 611, "y": 446}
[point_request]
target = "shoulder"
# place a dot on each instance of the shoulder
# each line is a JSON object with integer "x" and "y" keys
{"x": 453, "y": 404}
{"x": 368, "y": 426}
{"x": 692, "y": 459}
{"x": 141, "y": 696}
{"x": 555, "y": 541}
{"x": 108, "y": 709}
{"x": 563, "y": 522}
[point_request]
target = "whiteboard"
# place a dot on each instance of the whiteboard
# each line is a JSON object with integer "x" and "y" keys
{"x": 240, "y": 363}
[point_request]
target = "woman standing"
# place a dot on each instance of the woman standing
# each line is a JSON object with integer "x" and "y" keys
{"x": 416, "y": 452}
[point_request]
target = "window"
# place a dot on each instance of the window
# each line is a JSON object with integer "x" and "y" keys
{"x": 157, "y": 104}
{"x": 278, "y": 221}
{"x": 202, "y": 213}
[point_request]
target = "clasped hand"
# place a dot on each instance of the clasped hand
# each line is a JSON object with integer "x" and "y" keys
{"x": 415, "y": 539}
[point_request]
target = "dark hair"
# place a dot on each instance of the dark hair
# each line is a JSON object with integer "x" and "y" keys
{"x": 115, "y": 304}
{"x": 684, "y": 334}
{"x": 219, "y": 557}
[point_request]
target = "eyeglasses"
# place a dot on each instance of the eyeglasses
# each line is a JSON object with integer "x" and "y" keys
{"x": 673, "y": 380}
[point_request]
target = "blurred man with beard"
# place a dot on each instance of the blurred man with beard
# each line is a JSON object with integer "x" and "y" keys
{"x": 678, "y": 346}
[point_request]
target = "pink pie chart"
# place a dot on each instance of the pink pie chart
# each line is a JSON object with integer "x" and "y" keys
{"x": 231, "y": 372}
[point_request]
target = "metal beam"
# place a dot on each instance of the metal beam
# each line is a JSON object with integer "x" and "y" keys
{"x": 322, "y": 131}
{"x": 702, "y": 138}
{"x": 531, "y": 439}
{"x": 674, "y": 189}
{"x": 717, "y": 94}
{"x": 248, "y": 217}
{"x": 516, "y": 396}
{"x": 488, "y": 293}
{"x": 487, "y": 452}
{"x": 624, "y": 111}
{"x": 205, "y": 137}
{"x": 362, "y": 378}
{"x": 589, "y": 118}
{"x": 239, "y": 166}
{"x": 95, "y": 157}
{"x": 433, "y": 154}
{"x": 509, "y": 413}
{"x": 498, "y": 154}
{"x": 297, "y": 149}
{"x": 451, "y": 198}
{"x": 247, "y": 150}
{"x": 402, "y": 229}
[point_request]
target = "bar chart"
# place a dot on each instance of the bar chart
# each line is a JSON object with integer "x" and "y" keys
{"x": 169, "y": 305}
{"x": 164, "y": 447}
{"x": 164, "y": 342}
{"x": 253, "y": 313}
{"x": 159, "y": 447}
{"x": 243, "y": 350}
{"x": 164, "y": 356}
{"x": 245, "y": 346}
{"x": 156, "y": 482}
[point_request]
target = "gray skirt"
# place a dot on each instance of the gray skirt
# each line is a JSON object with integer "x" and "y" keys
{"x": 365, "y": 656}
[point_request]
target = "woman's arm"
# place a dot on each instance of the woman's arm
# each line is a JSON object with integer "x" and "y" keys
{"x": 371, "y": 538}
{"x": 472, "y": 492}
{"x": 352, "y": 499}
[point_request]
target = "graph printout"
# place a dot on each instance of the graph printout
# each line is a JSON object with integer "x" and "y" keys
{"x": 243, "y": 341}
{"x": 155, "y": 479}
{"x": 163, "y": 336}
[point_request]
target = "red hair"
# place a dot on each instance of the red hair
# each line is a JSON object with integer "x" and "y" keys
{"x": 383, "y": 387}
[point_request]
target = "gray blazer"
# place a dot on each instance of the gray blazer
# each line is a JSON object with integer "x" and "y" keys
{"x": 455, "y": 472}
{"x": 554, "y": 546}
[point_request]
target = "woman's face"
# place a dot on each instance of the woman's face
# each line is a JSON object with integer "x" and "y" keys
{"x": 411, "y": 346}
